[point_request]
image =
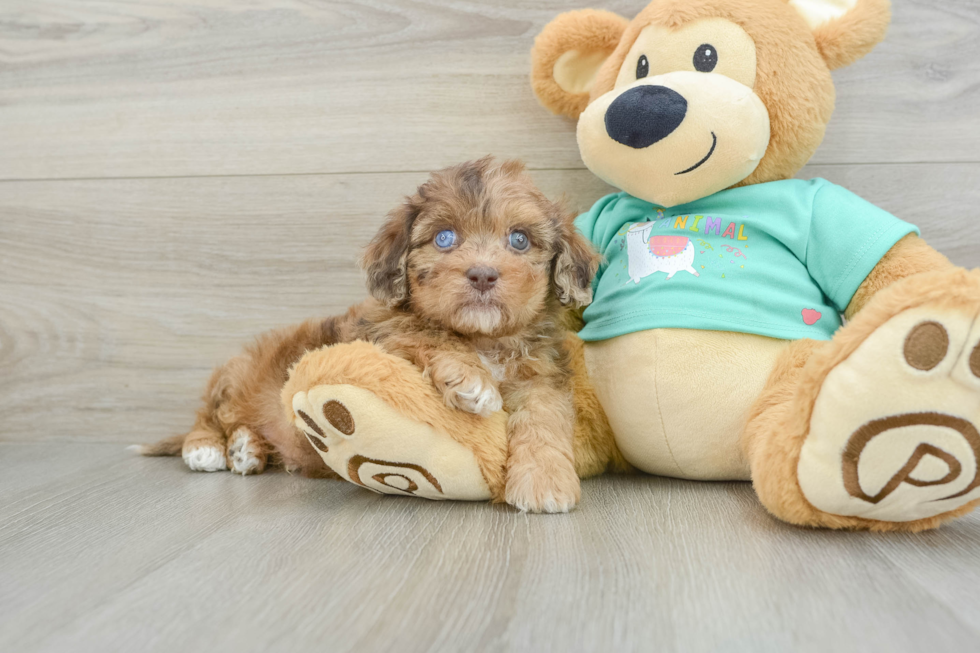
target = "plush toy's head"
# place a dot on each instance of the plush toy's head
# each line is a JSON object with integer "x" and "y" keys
{"x": 694, "y": 96}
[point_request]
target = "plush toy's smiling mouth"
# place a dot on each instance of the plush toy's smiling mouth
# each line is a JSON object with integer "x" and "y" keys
{"x": 714, "y": 142}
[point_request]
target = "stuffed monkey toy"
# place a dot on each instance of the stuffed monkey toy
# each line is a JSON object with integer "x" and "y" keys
{"x": 716, "y": 347}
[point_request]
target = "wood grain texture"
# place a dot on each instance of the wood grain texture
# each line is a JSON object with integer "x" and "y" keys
{"x": 118, "y": 296}
{"x": 195, "y": 87}
{"x": 207, "y": 169}
{"x": 104, "y": 550}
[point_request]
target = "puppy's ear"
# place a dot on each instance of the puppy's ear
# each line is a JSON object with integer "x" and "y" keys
{"x": 386, "y": 258}
{"x": 575, "y": 263}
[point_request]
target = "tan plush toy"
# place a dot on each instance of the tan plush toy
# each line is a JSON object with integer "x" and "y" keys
{"x": 715, "y": 346}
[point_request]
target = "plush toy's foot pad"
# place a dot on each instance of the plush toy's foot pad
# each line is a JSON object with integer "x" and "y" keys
{"x": 893, "y": 434}
{"x": 369, "y": 443}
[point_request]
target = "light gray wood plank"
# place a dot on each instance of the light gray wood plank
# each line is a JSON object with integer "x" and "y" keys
{"x": 30, "y": 471}
{"x": 140, "y": 552}
{"x": 118, "y": 296}
{"x": 943, "y": 563}
{"x": 284, "y": 86}
{"x": 87, "y": 533}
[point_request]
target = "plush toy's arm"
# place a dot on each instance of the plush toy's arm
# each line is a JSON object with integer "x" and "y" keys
{"x": 911, "y": 255}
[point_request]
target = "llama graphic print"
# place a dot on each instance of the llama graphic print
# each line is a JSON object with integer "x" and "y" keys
{"x": 649, "y": 254}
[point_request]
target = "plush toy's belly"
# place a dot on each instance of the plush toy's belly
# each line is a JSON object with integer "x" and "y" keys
{"x": 677, "y": 399}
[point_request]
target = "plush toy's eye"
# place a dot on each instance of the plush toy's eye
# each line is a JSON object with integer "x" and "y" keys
{"x": 445, "y": 239}
{"x": 519, "y": 241}
{"x": 642, "y": 67}
{"x": 705, "y": 58}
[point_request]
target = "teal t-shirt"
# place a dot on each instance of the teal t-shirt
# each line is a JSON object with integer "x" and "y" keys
{"x": 779, "y": 259}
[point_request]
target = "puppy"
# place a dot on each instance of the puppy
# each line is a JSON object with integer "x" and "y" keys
{"x": 470, "y": 279}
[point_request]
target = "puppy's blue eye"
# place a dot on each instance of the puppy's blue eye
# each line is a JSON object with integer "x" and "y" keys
{"x": 445, "y": 239}
{"x": 519, "y": 241}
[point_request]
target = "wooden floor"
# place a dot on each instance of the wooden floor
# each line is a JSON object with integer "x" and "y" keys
{"x": 102, "y": 551}
{"x": 178, "y": 175}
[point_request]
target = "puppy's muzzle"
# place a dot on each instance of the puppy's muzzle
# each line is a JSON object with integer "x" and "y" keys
{"x": 644, "y": 115}
{"x": 482, "y": 278}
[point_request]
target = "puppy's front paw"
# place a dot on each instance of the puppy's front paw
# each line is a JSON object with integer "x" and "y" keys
{"x": 466, "y": 388}
{"x": 474, "y": 396}
{"x": 543, "y": 487}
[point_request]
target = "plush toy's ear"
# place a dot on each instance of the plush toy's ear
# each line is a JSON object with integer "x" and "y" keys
{"x": 567, "y": 55}
{"x": 386, "y": 257}
{"x": 845, "y": 30}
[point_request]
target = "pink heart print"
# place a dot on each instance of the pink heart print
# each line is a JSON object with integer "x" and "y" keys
{"x": 811, "y": 316}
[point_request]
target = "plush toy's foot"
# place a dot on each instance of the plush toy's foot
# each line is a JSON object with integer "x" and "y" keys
{"x": 893, "y": 434}
{"x": 371, "y": 444}
{"x": 378, "y": 424}
{"x": 886, "y": 416}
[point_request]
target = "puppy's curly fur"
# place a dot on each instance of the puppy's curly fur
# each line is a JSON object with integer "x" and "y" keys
{"x": 483, "y": 318}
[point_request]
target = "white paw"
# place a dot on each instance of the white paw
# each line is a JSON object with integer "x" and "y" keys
{"x": 205, "y": 459}
{"x": 244, "y": 453}
{"x": 478, "y": 398}
{"x": 547, "y": 503}
{"x": 538, "y": 491}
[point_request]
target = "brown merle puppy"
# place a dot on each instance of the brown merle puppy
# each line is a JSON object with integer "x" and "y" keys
{"x": 469, "y": 278}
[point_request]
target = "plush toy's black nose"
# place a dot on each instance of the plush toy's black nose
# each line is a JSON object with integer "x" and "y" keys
{"x": 644, "y": 115}
{"x": 482, "y": 278}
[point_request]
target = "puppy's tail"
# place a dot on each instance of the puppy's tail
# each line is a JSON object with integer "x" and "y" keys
{"x": 166, "y": 447}
{"x": 206, "y": 429}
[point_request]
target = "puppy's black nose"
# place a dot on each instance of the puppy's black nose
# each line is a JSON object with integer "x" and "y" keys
{"x": 644, "y": 115}
{"x": 482, "y": 278}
